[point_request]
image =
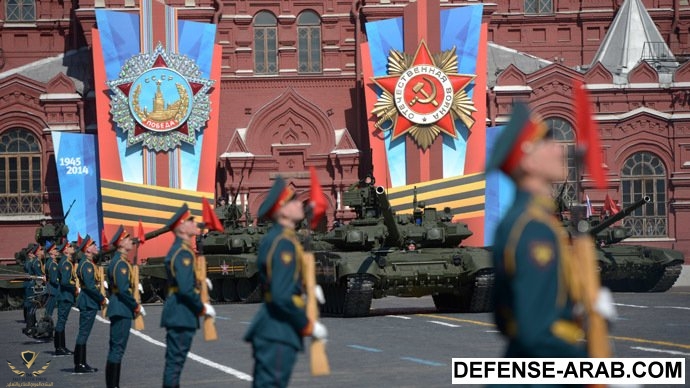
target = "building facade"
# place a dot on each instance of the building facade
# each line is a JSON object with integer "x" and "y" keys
{"x": 292, "y": 97}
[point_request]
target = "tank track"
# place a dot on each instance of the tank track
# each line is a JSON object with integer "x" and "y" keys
{"x": 668, "y": 278}
{"x": 349, "y": 298}
{"x": 482, "y": 299}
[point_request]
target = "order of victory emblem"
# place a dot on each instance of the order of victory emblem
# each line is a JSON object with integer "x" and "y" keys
{"x": 160, "y": 100}
{"x": 423, "y": 95}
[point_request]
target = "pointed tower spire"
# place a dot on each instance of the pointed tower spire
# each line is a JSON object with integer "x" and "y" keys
{"x": 633, "y": 37}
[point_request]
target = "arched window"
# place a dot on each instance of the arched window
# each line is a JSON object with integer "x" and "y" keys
{"x": 265, "y": 43}
{"x": 20, "y": 10}
{"x": 309, "y": 42}
{"x": 20, "y": 173}
{"x": 538, "y": 6}
{"x": 644, "y": 174}
{"x": 562, "y": 132}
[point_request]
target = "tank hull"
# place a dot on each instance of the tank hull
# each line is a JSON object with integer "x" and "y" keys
{"x": 637, "y": 268}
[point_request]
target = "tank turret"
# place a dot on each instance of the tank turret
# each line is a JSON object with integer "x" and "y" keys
{"x": 604, "y": 233}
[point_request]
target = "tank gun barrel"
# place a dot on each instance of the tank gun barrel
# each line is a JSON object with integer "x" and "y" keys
{"x": 393, "y": 237}
{"x": 619, "y": 216}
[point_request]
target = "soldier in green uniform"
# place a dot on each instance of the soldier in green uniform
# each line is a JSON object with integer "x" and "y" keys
{"x": 122, "y": 307}
{"x": 52, "y": 276}
{"x": 67, "y": 293}
{"x": 89, "y": 302}
{"x": 28, "y": 282}
{"x": 534, "y": 293}
{"x": 277, "y": 329}
{"x": 183, "y": 306}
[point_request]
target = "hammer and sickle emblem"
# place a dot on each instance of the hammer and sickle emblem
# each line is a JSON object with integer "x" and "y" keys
{"x": 428, "y": 97}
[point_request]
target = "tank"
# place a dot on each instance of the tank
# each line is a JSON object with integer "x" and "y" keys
{"x": 230, "y": 259}
{"x": 630, "y": 267}
{"x": 381, "y": 254}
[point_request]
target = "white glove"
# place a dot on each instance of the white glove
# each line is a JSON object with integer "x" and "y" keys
{"x": 105, "y": 284}
{"x": 209, "y": 284}
{"x": 78, "y": 291}
{"x": 141, "y": 288}
{"x": 210, "y": 311}
{"x": 318, "y": 292}
{"x": 319, "y": 332}
{"x": 106, "y": 302}
{"x": 604, "y": 305}
{"x": 142, "y": 312}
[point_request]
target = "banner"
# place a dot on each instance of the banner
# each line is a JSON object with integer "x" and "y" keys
{"x": 77, "y": 168}
{"x": 500, "y": 191}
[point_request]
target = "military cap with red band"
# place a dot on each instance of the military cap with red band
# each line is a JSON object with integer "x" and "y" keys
{"x": 509, "y": 147}
{"x": 279, "y": 194}
{"x": 85, "y": 242}
{"x": 181, "y": 215}
{"x": 120, "y": 234}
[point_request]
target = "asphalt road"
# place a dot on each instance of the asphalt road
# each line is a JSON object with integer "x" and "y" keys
{"x": 404, "y": 343}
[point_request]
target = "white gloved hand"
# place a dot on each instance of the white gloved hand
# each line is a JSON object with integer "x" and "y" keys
{"x": 604, "y": 305}
{"x": 141, "y": 288}
{"x": 105, "y": 284}
{"x": 318, "y": 292}
{"x": 319, "y": 332}
{"x": 106, "y": 302}
{"x": 142, "y": 312}
{"x": 209, "y": 284}
{"x": 209, "y": 310}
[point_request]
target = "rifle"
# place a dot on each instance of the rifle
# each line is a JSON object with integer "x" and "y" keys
{"x": 210, "y": 333}
{"x": 69, "y": 209}
{"x": 317, "y": 350}
{"x": 100, "y": 275}
{"x": 139, "y": 319}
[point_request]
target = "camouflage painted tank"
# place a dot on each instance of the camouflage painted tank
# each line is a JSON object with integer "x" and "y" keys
{"x": 230, "y": 258}
{"x": 633, "y": 268}
{"x": 381, "y": 254}
{"x": 627, "y": 267}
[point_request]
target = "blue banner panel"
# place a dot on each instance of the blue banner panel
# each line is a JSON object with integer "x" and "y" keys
{"x": 75, "y": 158}
{"x": 500, "y": 191}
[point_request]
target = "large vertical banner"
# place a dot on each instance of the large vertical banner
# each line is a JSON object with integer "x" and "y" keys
{"x": 427, "y": 99}
{"x": 77, "y": 168}
{"x": 158, "y": 94}
{"x": 500, "y": 190}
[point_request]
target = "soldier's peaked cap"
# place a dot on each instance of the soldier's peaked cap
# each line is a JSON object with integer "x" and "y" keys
{"x": 31, "y": 248}
{"x": 61, "y": 247}
{"x": 49, "y": 246}
{"x": 182, "y": 214}
{"x": 85, "y": 242}
{"x": 279, "y": 194}
{"x": 120, "y": 234}
{"x": 523, "y": 127}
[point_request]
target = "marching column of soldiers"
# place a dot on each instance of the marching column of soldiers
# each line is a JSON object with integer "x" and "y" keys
{"x": 532, "y": 256}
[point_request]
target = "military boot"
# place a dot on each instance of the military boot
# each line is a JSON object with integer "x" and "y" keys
{"x": 80, "y": 365}
{"x": 60, "y": 349}
{"x": 112, "y": 375}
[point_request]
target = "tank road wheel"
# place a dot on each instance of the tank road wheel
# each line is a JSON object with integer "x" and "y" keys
{"x": 15, "y": 299}
{"x": 229, "y": 288}
{"x": 248, "y": 290}
{"x": 216, "y": 294}
{"x": 474, "y": 298}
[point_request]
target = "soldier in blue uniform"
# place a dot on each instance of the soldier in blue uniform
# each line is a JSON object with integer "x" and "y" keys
{"x": 277, "y": 329}
{"x": 89, "y": 302}
{"x": 534, "y": 293}
{"x": 183, "y": 306}
{"x": 122, "y": 307}
{"x": 67, "y": 293}
{"x": 52, "y": 270}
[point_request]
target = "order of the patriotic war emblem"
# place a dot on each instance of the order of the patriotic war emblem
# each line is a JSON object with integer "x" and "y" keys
{"x": 160, "y": 100}
{"x": 423, "y": 95}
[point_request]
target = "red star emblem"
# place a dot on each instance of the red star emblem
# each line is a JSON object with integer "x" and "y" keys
{"x": 127, "y": 87}
{"x": 423, "y": 94}
{"x": 224, "y": 268}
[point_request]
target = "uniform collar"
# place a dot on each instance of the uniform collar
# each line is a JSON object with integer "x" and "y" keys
{"x": 546, "y": 203}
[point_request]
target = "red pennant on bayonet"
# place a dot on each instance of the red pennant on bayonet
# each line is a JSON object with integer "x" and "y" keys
{"x": 104, "y": 240}
{"x": 318, "y": 202}
{"x": 588, "y": 135}
{"x": 79, "y": 239}
{"x": 209, "y": 216}
{"x": 141, "y": 235}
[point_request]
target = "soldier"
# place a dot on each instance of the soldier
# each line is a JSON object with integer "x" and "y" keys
{"x": 28, "y": 282}
{"x": 52, "y": 270}
{"x": 122, "y": 307}
{"x": 67, "y": 293}
{"x": 277, "y": 329}
{"x": 534, "y": 292}
{"x": 183, "y": 306}
{"x": 90, "y": 300}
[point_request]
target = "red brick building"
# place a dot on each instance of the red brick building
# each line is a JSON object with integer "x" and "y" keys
{"x": 292, "y": 95}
